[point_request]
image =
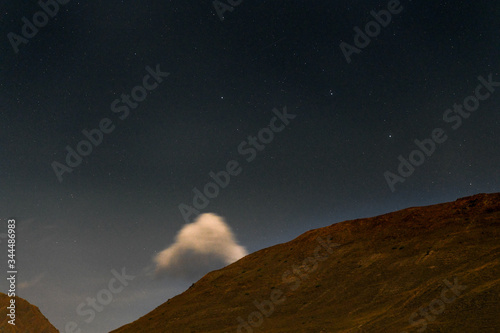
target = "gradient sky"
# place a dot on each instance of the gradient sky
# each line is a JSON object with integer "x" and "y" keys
{"x": 119, "y": 207}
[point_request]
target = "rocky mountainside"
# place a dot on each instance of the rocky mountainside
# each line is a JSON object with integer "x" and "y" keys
{"x": 432, "y": 269}
{"x": 29, "y": 319}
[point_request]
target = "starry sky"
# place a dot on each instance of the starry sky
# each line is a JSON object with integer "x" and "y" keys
{"x": 214, "y": 87}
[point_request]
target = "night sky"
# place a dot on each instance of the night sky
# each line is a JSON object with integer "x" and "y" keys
{"x": 268, "y": 92}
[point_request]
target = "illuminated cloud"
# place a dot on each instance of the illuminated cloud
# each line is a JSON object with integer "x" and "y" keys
{"x": 204, "y": 245}
{"x": 35, "y": 281}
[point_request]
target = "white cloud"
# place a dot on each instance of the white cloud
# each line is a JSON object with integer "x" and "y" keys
{"x": 31, "y": 283}
{"x": 204, "y": 245}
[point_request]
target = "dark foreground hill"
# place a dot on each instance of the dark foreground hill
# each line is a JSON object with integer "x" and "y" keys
{"x": 432, "y": 269}
{"x": 29, "y": 319}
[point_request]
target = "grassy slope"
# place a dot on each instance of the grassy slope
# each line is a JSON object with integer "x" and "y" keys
{"x": 385, "y": 269}
{"x": 29, "y": 319}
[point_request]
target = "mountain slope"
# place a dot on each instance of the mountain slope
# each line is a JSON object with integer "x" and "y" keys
{"x": 29, "y": 319}
{"x": 382, "y": 277}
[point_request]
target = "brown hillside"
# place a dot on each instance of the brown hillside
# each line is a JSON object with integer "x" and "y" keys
{"x": 385, "y": 271}
{"x": 29, "y": 319}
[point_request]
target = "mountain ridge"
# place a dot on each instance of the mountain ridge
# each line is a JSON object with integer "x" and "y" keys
{"x": 382, "y": 274}
{"x": 29, "y": 318}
